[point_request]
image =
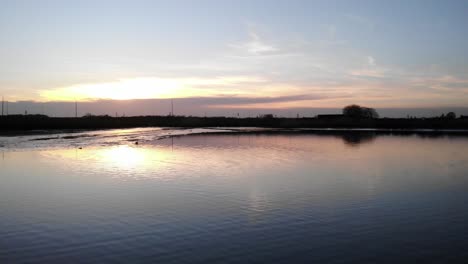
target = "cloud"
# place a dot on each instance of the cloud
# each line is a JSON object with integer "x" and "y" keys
{"x": 369, "y": 69}
{"x": 371, "y": 61}
{"x": 446, "y": 84}
{"x": 373, "y": 73}
{"x": 255, "y": 45}
{"x": 369, "y": 73}
{"x": 243, "y": 100}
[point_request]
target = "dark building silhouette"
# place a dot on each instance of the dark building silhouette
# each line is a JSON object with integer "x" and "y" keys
{"x": 331, "y": 117}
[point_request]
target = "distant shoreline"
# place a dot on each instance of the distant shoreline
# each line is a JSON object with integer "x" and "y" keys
{"x": 25, "y": 123}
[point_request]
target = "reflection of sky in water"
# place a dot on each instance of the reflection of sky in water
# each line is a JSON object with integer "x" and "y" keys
{"x": 275, "y": 158}
{"x": 244, "y": 193}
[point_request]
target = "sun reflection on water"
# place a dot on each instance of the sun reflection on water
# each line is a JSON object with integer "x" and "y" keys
{"x": 122, "y": 161}
{"x": 126, "y": 157}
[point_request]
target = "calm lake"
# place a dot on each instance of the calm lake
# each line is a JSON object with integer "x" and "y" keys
{"x": 233, "y": 198}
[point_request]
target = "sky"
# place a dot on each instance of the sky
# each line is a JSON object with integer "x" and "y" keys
{"x": 223, "y": 57}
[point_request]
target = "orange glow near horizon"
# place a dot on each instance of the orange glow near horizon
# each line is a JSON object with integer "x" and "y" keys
{"x": 242, "y": 87}
{"x": 148, "y": 88}
{"x": 125, "y": 89}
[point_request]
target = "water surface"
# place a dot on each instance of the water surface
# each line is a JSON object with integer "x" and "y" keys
{"x": 250, "y": 198}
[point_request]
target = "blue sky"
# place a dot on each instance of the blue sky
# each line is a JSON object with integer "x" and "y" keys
{"x": 306, "y": 54}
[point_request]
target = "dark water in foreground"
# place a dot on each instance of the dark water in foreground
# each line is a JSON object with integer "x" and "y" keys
{"x": 238, "y": 199}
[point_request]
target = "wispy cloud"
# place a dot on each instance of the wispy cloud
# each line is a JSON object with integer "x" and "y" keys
{"x": 373, "y": 73}
{"x": 446, "y": 84}
{"x": 371, "y": 61}
{"x": 255, "y": 45}
{"x": 228, "y": 101}
{"x": 369, "y": 69}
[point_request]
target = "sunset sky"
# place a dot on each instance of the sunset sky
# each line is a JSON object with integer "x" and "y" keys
{"x": 235, "y": 55}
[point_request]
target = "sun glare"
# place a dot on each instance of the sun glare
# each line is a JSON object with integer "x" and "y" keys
{"x": 129, "y": 161}
{"x": 125, "y": 89}
{"x": 150, "y": 88}
{"x": 124, "y": 156}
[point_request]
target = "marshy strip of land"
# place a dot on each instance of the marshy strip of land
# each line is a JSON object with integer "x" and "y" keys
{"x": 26, "y": 123}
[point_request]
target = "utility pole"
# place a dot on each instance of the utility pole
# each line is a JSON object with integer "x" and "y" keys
{"x": 172, "y": 107}
{"x": 76, "y": 109}
{"x": 3, "y": 103}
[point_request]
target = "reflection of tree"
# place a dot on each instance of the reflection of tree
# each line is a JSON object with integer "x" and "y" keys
{"x": 356, "y": 138}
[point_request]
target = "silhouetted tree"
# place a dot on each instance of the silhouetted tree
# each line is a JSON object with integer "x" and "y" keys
{"x": 371, "y": 112}
{"x": 356, "y": 111}
{"x": 450, "y": 115}
{"x": 352, "y": 111}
